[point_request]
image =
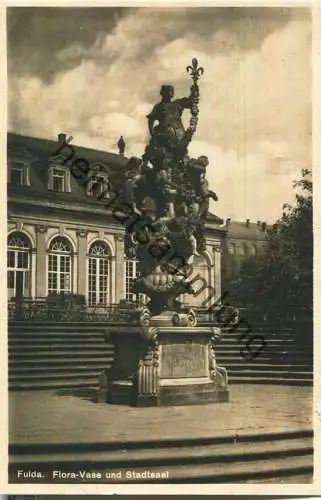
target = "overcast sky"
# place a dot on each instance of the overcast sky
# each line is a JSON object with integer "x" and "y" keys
{"x": 94, "y": 73}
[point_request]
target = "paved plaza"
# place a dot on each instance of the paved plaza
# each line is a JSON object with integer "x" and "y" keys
{"x": 69, "y": 416}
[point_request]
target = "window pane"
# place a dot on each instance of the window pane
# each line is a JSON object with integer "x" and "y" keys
{"x": 58, "y": 184}
{"x": 52, "y": 282}
{"x": 131, "y": 273}
{"x": 98, "y": 280}
{"x": 22, "y": 260}
{"x": 57, "y": 172}
{"x": 16, "y": 177}
{"x": 11, "y": 279}
{"x": 10, "y": 261}
{"x": 53, "y": 263}
{"x": 26, "y": 278}
{"x": 59, "y": 275}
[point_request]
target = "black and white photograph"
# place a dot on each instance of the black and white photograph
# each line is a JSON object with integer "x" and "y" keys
{"x": 159, "y": 246}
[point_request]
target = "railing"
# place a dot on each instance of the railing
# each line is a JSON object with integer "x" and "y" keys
{"x": 64, "y": 308}
{"x": 42, "y": 309}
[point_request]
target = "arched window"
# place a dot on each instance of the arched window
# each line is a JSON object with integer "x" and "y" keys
{"x": 99, "y": 274}
{"x": 19, "y": 265}
{"x": 59, "y": 266}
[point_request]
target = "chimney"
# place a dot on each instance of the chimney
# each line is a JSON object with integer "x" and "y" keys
{"x": 62, "y": 138}
{"x": 228, "y": 222}
{"x": 263, "y": 226}
{"x": 247, "y": 222}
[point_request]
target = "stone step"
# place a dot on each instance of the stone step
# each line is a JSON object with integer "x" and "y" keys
{"x": 61, "y": 327}
{"x": 291, "y": 344}
{"x": 65, "y": 367}
{"x": 183, "y": 453}
{"x": 95, "y": 346}
{"x": 248, "y": 366}
{"x": 267, "y": 373}
{"x": 90, "y": 323}
{"x": 88, "y": 363}
{"x": 229, "y": 340}
{"x": 89, "y": 382}
{"x": 220, "y": 459}
{"x": 270, "y": 380}
{"x": 107, "y": 356}
{"x": 89, "y": 326}
{"x": 24, "y": 356}
{"x": 264, "y": 352}
{"x": 58, "y": 362}
{"x": 299, "y": 477}
{"x": 61, "y": 374}
{"x": 57, "y": 329}
{"x": 256, "y": 339}
{"x": 251, "y": 470}
{"x": 48, "y": 334}
{"x": 84, "y": 381}
{"x": 29, "y": 375}
{"x": 228, "y": 355}
{"x": 93, "y": 351}
{"x": 43, "y": 337}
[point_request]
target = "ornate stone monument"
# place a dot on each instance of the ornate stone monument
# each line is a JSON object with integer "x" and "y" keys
{"x": 162, "y": 357}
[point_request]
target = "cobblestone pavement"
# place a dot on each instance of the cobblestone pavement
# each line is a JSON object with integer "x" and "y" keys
{"x": 73, "y": 416}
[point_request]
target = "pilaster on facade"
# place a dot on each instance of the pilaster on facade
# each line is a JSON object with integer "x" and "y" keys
{"x": 119, "y": 266}
{"x": 82, "y": 261}
{"x": 41, "y": 260}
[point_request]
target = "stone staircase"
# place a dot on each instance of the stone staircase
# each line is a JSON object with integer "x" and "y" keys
{"x": 58, "y": 355}
{"x": 283, "y": 360}
{"x": 265, "y": 457}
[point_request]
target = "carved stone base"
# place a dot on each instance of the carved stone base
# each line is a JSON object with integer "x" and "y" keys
{"x": 188, "y": 392}
{"x": 163, "y": 365}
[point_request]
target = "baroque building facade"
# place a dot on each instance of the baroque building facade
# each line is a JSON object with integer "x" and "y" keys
{"x": 243, "y": 240}
{"x": 64, "y": 238}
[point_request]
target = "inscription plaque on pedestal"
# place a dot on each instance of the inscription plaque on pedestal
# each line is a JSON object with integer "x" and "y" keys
{"x": 185, "y": 358}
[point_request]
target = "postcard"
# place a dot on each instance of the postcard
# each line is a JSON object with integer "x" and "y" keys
{"x": 161, "y": 294}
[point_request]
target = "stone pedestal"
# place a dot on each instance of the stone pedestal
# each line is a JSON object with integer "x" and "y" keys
{"x": 158, "y": 365}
